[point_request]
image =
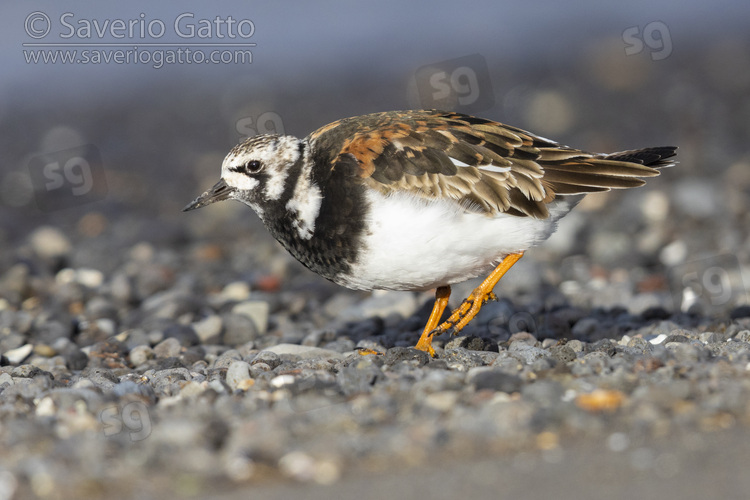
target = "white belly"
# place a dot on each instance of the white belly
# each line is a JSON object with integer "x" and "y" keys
{"x": 413, "y": 244}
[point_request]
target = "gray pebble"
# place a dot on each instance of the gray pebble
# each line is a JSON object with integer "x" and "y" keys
{"x": 268, "y": 357}
{"x": 239, "y": 329}
{"x": 169, "y": 347}
{"x": 494, "y": 380}
{"x": 184, "y": 334}
{"x": 237, "y": 373}
{"x": 209, "y": 328}
{"x": 359, "y": 377}
{"x": 585, "y": 327}
{"x": 257, "y": 311}
{"x": 528, "y": 354}
{"x": 140, "y": 354}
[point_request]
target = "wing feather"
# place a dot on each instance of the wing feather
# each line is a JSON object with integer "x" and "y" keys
{"x": 435, "y": 154}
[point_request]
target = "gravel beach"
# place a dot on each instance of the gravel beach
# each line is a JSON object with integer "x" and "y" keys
{"x": 150, "y": 353}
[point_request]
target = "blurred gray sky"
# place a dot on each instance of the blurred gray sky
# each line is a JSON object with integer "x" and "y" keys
{"x": 303, "y": 40}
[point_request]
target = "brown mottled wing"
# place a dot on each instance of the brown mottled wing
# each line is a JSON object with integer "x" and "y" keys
{"x": 482, "y": 165}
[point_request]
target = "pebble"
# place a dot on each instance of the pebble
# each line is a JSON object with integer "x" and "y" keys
{"x": 137, "y": 346}
{"x": 257, "y": 311}
{"x": 527, "y": 353}
{"x": 16, "y": 356}
{"x": 303, "y": 351}
{"x": 486, "y": 378}
{"x": 238, "y": 374}
{"x": 209, "y": 328}
{"x": 140, "y": 354}
{"x": 167, "y": 348}
{"x": 239, "y": 329}
{"x": 50, "y": 243}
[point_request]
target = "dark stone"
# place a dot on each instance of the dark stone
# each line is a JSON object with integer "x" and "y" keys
{"x": 109, "y": 353}
{"x": 473, "y": 343}
{"x": 168, "y": 363}
{"x": 562, "y": 353}
{"x": 192, "y": 355}
{"x": 238, "y": 329}
{"x": 740, "y": 312}
{"x": 467, "y": 359}
{"x": 270, "y": 358}
{"x": 409, "y": 354}
{"x": 185, "y": 334}
{"x": 496, "y": 380}
{"x": 75, "y": 359}
{"x": 676, "y": 338}
{"x": 27, "y": 371}
{"x": 50, "y": 331}
{"x": 655, "y": 312}
{"x": 606, "y": 346}
{"x": 100, "y": 377}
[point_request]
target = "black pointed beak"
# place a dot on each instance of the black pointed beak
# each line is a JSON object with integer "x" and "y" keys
{"x": 220, "y": 192}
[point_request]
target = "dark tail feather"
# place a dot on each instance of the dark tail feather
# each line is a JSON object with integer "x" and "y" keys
{"x": 651, "y": 157}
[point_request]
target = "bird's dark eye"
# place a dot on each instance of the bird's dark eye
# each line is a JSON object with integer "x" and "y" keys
{"x": 253, "y": 166}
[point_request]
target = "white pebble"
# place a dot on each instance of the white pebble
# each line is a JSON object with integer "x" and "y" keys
{"x": 282, "y": 380}
{"x": 17, "y": 355}
{"x": 658, "y": 339}
{"x": 45, "y": 407}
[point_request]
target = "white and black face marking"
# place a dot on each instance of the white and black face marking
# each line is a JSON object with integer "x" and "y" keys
{"x": 257, "y": 169}
{"x": 255, "y": 172}
{"x": 273, "y": 175}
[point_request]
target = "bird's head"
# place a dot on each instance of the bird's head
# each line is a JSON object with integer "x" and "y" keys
{"x": 255, "y": 172}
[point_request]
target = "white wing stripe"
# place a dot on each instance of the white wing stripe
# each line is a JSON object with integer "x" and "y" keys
{"x": 494, "y": 168}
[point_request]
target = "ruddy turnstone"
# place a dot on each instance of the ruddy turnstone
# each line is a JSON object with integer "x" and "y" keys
{"x": 416, "y": 200}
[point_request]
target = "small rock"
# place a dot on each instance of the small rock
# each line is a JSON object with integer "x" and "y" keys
{"x": 493, "y": 379}
{"x": 183, "y": 333}
{"x": 408, "y": 354}
{"x": 359, "y": 377}
{"x": 545, "y": 393}
{"x": 563, "y": 353}
{"x": 473, "y": 343}
{"x": 576, "y": 345}
{"x": 443, "y": 401}
{"x": 239, "y": 329}
{"x": 303, "y": 351}
{"x": 237, "y": 374}
{"x": 209, "y": 328}
{"x": 44, "y": 350}
{"x": 462, "y": 359}
{"x": 585, "y": 327}
{"x": 257, "y": 311}
{"x": 528, "y": 354}
{"x": 16, "y": 356}
{"x": 25, "y": 371}
{"x": 168, "y": 348}
{"x": 50, "y": 243}
{"x": 268, "y": 357}
{"x": 235, "y": 291}
{"x": 140, "y": 354}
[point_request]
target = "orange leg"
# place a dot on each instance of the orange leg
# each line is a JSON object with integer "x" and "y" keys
{"x": 468, "y": 308}
{"x": 442, "y": 294}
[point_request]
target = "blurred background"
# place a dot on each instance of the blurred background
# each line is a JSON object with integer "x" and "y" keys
{"x": 107, "y": 150}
